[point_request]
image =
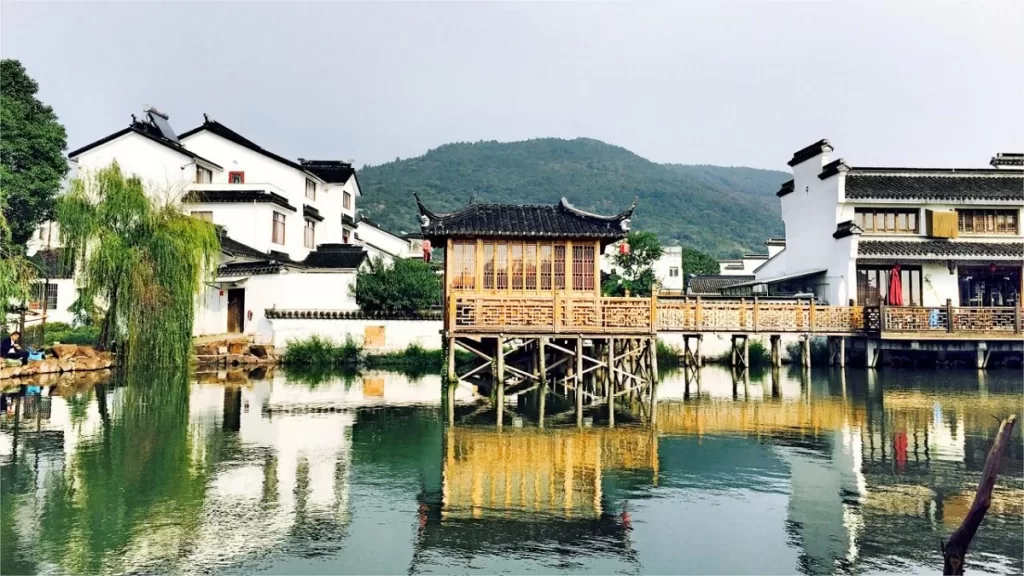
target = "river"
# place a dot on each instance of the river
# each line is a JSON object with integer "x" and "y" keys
{"x": 831, "y": 472}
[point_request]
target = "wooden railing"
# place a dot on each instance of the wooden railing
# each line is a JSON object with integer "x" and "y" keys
{"x": 547, "y": 314}
{"x": 948, "y": 320}
{"x": 588, "y": 314}
{"x": 753, "y": 315}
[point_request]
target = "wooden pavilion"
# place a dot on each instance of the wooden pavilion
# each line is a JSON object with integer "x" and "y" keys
{"x": 522, "y": 292}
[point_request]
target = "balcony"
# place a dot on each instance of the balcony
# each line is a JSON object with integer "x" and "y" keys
{"x": 558, "y": 314}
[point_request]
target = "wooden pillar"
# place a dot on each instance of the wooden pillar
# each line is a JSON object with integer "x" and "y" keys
{"x": 775, "y": 342}
{"x": 654, "y": 383}
{"x": 700, "y": 356}
{"x": 653, "y": 353}
{"x": 543, "y": 391}
{"x": 842, "y": 351}
{"x": 578, "y": 381}
{"x": 542, "y": 360}
{"x": 610, "y": 392}
{"x": 732, "y": 350}
{"x": 870, "y": 353}
{"x": 451, "y": 359}
{"x": 806, "y": 355}
{"x": 499, "y": 379}
{"x": 450, "y": 402}
{"x": 949, "y": 314}
{"x": 983, "y": 354}
{"x": 746, "y": 352}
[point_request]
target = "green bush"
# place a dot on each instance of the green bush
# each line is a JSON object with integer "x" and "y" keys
{"x": 406, "y": 286}
{"x": 759, "y": 355}
{"x": 669, "y": 357}
{"x": 321, "y": 352}
{"x": 63, "y": 333}
{"x": 819, "y": 351}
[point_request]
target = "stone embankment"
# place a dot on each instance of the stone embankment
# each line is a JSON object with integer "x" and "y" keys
{"x": 233, "y": 353}
{"x": 64, "y": 358}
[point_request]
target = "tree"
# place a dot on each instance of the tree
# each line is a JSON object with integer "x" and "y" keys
{"x": 15, "y": 270}
{"x": 698, "y": 263}
{"x": 145, "y": 263}
{"x": 634, "y": 268}
{"x": 406, "y": 286}
{"x": 32, "y": 143}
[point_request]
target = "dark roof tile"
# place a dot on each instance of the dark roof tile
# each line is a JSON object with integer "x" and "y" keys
{"x": 845, "y": 229}
{"x": 341, "y": 256}
{"x": 251, "y": 268}
{"x": 145, "y": 130}
{"x": 938, "y": 249}
{"x": 311, "y": 213}
{"x": 226, "y": 196}
{"x": 975, "y": 185}
{"x": 540, "y": 221}
{"x": 332, "y": 171}
{"x": 804, "y": 154}
{"x": 223, "y": 131}
{"x": 712, "y": 285}
{"x": 786, "y": 188}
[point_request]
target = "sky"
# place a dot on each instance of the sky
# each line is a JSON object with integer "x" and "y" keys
{"x": 899, "y": 83}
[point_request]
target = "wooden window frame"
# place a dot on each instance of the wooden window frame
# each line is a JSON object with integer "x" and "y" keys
{"x": 310, "y": 189}
{"x": 283, "y": 223}
{"x": 990, "y": 220}
{"x": 911, "y": 276}
{"x": 345, "y": 235}
{"x": 240, "y": 174}
{"x": 867, "y": 220}
{"x": 309, "y": 235}
{"x": 201, "y": 170}
{"x": 346, "y": 200}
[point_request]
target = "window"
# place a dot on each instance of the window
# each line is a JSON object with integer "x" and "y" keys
{"x": 344, "y": 236}
{"x": 518, "y": 281}
{"x": 278, "y": 234}
{"x": 559, "y": 267}
{"x": 583, "y": 268}
{"x": 203, "y": 175}
{"x": 488, "y": 266}
{"x": 309, "y": 240}
{"x": 673, "y": 272}
{"x": 44, "y": 290}
{"x": 873, "y": 285}
{"x": 987, "y": 221}
{"x": 501, "y": 267}
{"x": 346, "y": 201}
{"x": 886, "y": 220}
{"x": 545, "y": 266}
{"x": 463, "y": 268}
{"x": 204, "y": 216}
{"x": 530, "y": 262}
{"x": 310, "y": 189}
{"x": 236, "y": 177}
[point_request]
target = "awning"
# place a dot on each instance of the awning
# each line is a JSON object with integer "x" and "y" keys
{"x": 777, "y": 279}
{"x": 235, "y": 280}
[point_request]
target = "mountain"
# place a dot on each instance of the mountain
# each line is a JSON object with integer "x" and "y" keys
{"x": 722, "y": 211}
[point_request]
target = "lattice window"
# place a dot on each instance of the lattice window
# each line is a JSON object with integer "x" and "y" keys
{"x": 463, "y": 265}
{"x": 545, "y": 266}
{"x": 530, "y": 261}
{"x": 886, "y": 220}
{"x": 517, "y": 266}
{"x": 488, "y": 265}
{"x": 559, "y": 274}
{"x": 583, "y": 268}
{"x": 47, "y": 291}
{"x": 501, "y": 267}
{"x": 987, "y": 221}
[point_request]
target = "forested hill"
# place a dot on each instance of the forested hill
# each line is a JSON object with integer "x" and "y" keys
{"x": 723, "y": 211}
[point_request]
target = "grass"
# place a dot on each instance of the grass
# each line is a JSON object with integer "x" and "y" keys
{"x": 316, "y": 357}
{"x": 316, "y": 351}
{"x": 819, "y": 352}
{"x": 669, "y": 357}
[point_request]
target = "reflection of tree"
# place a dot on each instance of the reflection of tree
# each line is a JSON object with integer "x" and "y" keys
{"x": 139, "y": 469}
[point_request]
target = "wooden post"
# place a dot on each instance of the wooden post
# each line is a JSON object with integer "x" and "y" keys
{"x": 954, "y": 551}
{"x": 449, "y": 321}
{"x": 949, "y": 314}
{"x": 556, "y": 314}
{"x": 654, "y": 312}
{"x": 654, "y": 383}
{"x": 775, "y": 341}
{"x": 450, "y": 403}
{"x": 499, "y": 379}
{"x": 578, "y": 381}
{"x": 611, "y": 388}
{"x": 746, "y": 352}
{"x": 654, "y": 359}
{"x": 698, "y": 320}
{"x": 842, "y": 351}
{"x": 700, "y": 357}
{"x": 1018, "y": 310}
{"x": 810, "y": 316}
{"x": 732, "y": 350}
{"x": 743, "y": 313}
{"x": 806, "y": 351}
{"x": 756, "y": 314}
{"x": 451, "y": 359}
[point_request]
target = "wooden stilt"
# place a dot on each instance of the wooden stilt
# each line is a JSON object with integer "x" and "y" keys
{"x": 578, "y": 382}
{"x": 842, "y": 351}
{"x": 806, "y": 356}
{"x": 450, "y": 402}
{"x": 776, "y": 349}
{"x": 499, "y": 380}
{"x": 611, "y": 387}
{"x": 451, "y": 359}
{"x": 746, "y": 352}
{"x": 652, "y": 353}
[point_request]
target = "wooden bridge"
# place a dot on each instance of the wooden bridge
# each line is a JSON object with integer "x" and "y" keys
{"x": 487, "y": 314}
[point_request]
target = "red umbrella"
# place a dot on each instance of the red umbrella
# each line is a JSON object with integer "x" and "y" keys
{"x": 895, "y": 287}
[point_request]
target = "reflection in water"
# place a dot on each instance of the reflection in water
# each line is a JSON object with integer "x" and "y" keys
{"x": 824, "y": 472}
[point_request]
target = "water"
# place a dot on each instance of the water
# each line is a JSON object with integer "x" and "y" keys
{"x": 861, "y": 473}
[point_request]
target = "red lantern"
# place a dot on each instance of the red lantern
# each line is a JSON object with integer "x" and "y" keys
{"x": 624, "y": 248}
{"x": 426, "y": 250}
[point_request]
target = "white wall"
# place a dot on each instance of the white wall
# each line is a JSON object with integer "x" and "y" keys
{"x": 671, "y": 257}
{"x": 939, "y": 284}
{"x": 398, "y": 334}
{"x": 749, "y": 265}
{"x": 382, "y": 243}
{"x": 809, "y": 214}
{"x": 67, "y": 293}
{"x": 164, "y": 172}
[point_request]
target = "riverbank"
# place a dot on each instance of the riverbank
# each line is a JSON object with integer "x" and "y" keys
{"x": 62, "y": 359}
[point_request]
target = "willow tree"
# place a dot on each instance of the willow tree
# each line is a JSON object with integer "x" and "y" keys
{"x": 15, "y": 270}
{"x": 143, "y": 261}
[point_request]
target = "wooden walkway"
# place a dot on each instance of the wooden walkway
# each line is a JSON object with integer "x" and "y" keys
{"x": 588, "y": 315}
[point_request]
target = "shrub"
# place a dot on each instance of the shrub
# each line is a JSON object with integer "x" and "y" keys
{"x": 405, "y": 286}
{"x": 319, "y": 351}
{"x": 63, "y": 333}
{"x": 819, "y": 351}
{"x": 759, "y": 355}
{"x": 669, "y": 357}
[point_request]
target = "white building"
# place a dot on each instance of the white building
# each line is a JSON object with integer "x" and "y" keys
{"x": 952, "y": 234}
{"x": 289, "y": 231}
{"x": 668, "y": 269}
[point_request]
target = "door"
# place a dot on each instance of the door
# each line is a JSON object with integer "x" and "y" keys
{"x": 236, "y": 310}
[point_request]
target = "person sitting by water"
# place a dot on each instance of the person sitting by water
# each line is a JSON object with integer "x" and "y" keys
{"x": 9, "y": 348}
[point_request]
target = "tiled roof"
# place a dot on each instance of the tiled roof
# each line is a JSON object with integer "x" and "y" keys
{"x": 804, "y": 154}
{"x": 50, "y": 264}
{"x": 148, "y": 131}
{"x": 224, "y": 196}
{"x": 250, "y": 268}
{"x": 559, "y": 221}
{"x": 348, "y": 220}
{"x": 341, "y": 256}
{"x": 711, "y": 285}
{"x": 332, "y": 171}
{"x": 311, "y": 213}
{"x": 1007, "y": 159}
{"x": 832, "y": 168}
{"x": 939, "y": 249}
{"x": 214, "y": 127}
{"x": 976, "y": 185}
{"x": 786, "y": 188}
